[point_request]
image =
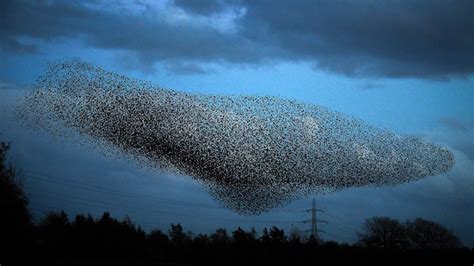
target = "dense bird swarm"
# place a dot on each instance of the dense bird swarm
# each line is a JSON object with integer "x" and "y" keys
{"x": 253, "y": 153}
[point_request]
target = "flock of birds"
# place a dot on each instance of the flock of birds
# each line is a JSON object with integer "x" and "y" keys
{"x": 252, "y": 153}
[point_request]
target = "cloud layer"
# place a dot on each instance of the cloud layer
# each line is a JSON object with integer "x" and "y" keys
{"x": 426, "y": 39}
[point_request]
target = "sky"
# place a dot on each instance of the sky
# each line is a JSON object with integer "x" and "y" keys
{"x": 403, "y": 66}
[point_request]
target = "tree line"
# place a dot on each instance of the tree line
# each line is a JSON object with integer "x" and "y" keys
{"x": 57, "y": 237}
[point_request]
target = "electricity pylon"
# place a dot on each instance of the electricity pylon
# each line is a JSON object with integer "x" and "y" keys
{"x": 314, "y": 222}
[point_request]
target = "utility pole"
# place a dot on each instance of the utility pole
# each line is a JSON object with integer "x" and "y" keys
{"x": 314, "y": 222}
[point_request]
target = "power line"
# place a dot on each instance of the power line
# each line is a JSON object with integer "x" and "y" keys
{"x": 90, "y": 187}
{"x": 88, "y": 202}
{"x": 86, "y": 186}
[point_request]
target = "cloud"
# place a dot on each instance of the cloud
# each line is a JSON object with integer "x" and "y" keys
{"x": 422, "y": 39}
{"x": 456, "y": 124}
{"x": 386, "y": 38}
{"x": 151, "y": 35}
{"x": 461, "y": 134}
{"x": 186, "y": 68}
{"x": 5, "y": 85}
{"x": 13, "y": 45}
{"x": 201, "y": 7}
{"x": 372, "y": 85}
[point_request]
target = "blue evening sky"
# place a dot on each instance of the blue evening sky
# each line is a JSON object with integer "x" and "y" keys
{"x": 378, "y": 85}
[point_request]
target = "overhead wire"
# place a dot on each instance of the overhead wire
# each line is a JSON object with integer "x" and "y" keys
{"x": 100, "y": 189}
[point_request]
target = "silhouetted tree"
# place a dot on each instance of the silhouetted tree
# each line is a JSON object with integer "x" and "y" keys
{"x": 104, "y": 237}
{"x": 295, "y": 236}
{"x": 201, "y": 240}
{"x": 178, "y": 236}
{"x": 274, "y": 237}
{"x": 418, "y": 234}
{"x": 312, "y": 240}
{"x": 15, "y": 224}
{"x": 57, "y": 238}
{"x": 53, "y": 230}
{"x": 331, "y": 244}
{"x": 430, "y": 235}
{"x": 265, "y": 238}
{"x": 158, "y": 237}
{"x": 84, "y": 234}
{"x": 220, "y": 237}
{"x": 383, "y": 232}
{"x": 241, "y": 237}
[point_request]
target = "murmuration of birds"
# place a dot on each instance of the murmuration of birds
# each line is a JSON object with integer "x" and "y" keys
{"x": 252, "y": 153}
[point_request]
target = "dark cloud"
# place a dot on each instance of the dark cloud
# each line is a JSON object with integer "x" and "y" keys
{"x": 5, "y": 85}
{"x": 461, "y": 134}
{"x": 13, "y": 45}
{"x": 371, "y": 86}
{"x": 149, "y": 38}
{"x": 201, "y": 7}
{"x": 186, "y": 68}
{"x": 424, "y": 39}
{"x": 456, "y": 124}
{"x": 386, "y": 38}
